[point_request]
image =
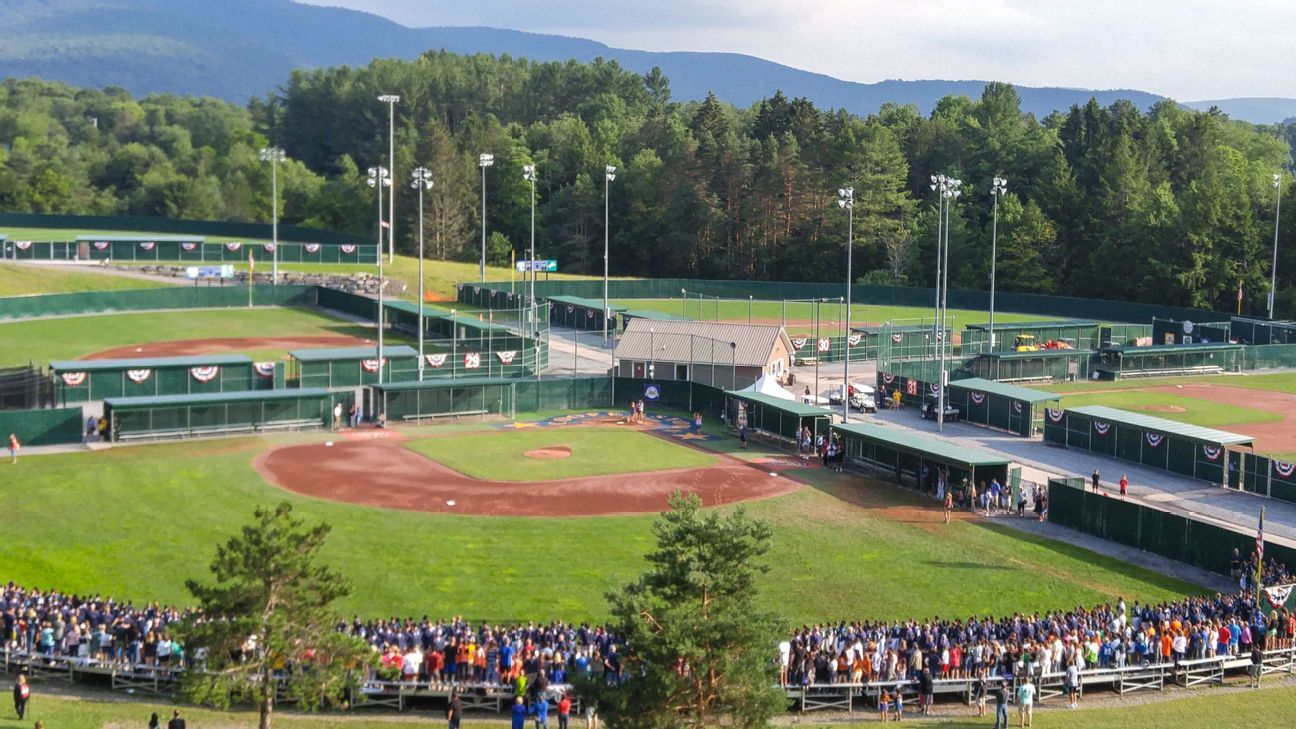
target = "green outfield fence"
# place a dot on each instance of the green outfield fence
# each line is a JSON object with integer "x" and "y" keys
{"x": 1269, "y": 477}
{"x": 484, "y": 295}
{"x": 1169, "y": 535}
{"x": 178, "y": 297}
{"x": 194, "y": 251}
{"x": 142, "y": 224}
{"x": 222, "y": 413}
{"x": 53, "y": 426}
{"x": 87, "y": 380}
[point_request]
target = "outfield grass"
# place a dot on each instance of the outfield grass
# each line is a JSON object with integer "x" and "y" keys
{"x": 499, "y": 456}
{"x": 23, "y": 280}
{"x": 1180, "y": 408}
{"x": 1277, "y": 382}
{"x": 44, "y": 340}
{"x": 800, "y": 311}
{"x": 1260, "y": 709}
{"x": 136, "y": 522}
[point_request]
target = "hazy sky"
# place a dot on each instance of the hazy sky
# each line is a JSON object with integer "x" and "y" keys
{"x": 1187, "y": 49}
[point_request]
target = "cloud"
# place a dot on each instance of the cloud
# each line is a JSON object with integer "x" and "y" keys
{"x": 1202, "y": 49}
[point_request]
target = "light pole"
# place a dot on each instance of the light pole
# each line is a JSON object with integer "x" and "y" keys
{"x": 379, "y": 178}
{"x": 483, "y": 161}
{"x": 529, "y": 174}
{"x": 997, "y": 189}
{"x": 391, "y": 100}
{"x": 1273, "y": 270}
{"x": 609, "y": 174}
{"x": 937, "y": 185}
{"x": 846, "y": 200}
{"x": 948, "y": 190}
{"x": 274, "y": 156}
{"x": 422, "y": 181}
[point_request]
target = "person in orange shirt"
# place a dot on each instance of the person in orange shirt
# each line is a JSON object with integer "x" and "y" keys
{"x": 1167, "y": 644}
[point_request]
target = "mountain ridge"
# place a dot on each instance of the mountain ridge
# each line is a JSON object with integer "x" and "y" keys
{"x": 239, "y": 49}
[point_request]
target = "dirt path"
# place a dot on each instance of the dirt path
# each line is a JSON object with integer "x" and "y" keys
{"x": 380, "y": 472}
{"x": 1273, "y": 437}
{"x": 191, "y": 347}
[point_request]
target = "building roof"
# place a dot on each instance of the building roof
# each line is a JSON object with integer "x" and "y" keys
{"x": 215, "y": 398}
{"x": 1004, "y": 389}
{"x": 1028, "y": 325}
{"x": 1210, "y": 436}
{"x": 1172, "y": 348}
{"x": 459, "y": 318}
{"x": 654, "y": 315}
{"x": 94, "y": 365}
{"x": 443, "y": 383}
{"x": 595, "y": 304}
{"x": 325, "y": 354}
{"x": 142, "y": 238}
{"x": 694, "y": 341}
{"x": 921, "y": 445}
{"x": 791, "y": 407}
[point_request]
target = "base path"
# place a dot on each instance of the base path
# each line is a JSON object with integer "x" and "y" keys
{"x": 192, "y": 347}
{"x": 383, "y": 473}
{"x": 1273, "y": 437}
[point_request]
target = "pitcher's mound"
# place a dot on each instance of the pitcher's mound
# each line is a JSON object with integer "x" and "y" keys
{"x": 549, "y": 452}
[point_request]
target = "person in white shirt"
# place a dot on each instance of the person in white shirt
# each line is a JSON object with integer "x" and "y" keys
{"x": 1026, "y": 703}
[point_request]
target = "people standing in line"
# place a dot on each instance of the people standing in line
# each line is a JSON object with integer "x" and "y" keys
{"x": 21, "y": 694}
{"x": 14, "y": 445}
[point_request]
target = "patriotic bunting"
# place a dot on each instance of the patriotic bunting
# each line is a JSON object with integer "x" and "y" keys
{"x": 799, "y": 343}
{"x": 233, "y": 246}
{"x": 188, "y": 246}
{"x": 1277, "y": 595}
{"x": 1284, "y": 469}
{"x": 373, "y": 364}
{"x": 1102, "y": 427}
{"x": 264, "y": 369}
{"x": 138, "y": 376}
{"x": 22, "y": 245}
{"x": 348, "y": 249}
{"x": 897, "y": 338}
{"x": 506, "y": 357}
{"x": 1154, "y": 439}
{"x": 977, "y": 397}
{"x": 435, "y": 360}
{"x": 204, "y": 374}
{"x": 268, "y": 247}
{"x": 853, "y": 340}
{"x": 888, "y": 378}
{"x": 1212, "y": 453}
{"x": 101, "y": 245}
{"x": 933, "y": 388}
{"x": 147, "y": 245}
{"x": 73, "y": 379}
{"x": 1054, "y": 415}
{"x": 312, "y": 247}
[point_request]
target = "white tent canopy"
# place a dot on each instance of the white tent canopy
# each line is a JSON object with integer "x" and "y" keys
{"x": 767, "y": 385}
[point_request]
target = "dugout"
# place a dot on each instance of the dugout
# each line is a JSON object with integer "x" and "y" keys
{"x": 1114, "y": 363}
{"x": 342, "y": 367}
{"x": 1168, "y": 445}
{"x": 1044, "y": 365}
{"x": 775, "y": 417}
{"x": 999, "y": 405}
{"x": 907, "y": 342}
{"x": 221, "y": 413}
{"x": 98, "y": 379}
{"x": 444, "y": 398}
{"x": 1183, "y": 331}
{"x": 905, "y": 454}
{"x": 1262, "y": 331}
{"x": 580, "y": 313}
{"x": 1079, "y": 333}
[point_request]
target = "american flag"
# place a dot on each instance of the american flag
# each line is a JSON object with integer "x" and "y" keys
{"x": 384, "y": 224}
{"x": 1260, "y": 539}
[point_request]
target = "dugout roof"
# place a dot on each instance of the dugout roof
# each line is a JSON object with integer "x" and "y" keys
{"x": 791, "y": 407}
{"x": 1004, "y": 389}
{"x": 459, "y": 318}
{"x": 214, "y": 398}
{"x": 1030, "y": 325}
{"x": 330, "y": 354}
{"x": 1209, "y": 436}
{"x": 921, "y": 445}
{"x": 443, "y": 383}
{"x": 91, "y": 365}
{"x": 1173, "y": 348}
{"x": 595, "y": 304}
{"x": 141, "y": 238}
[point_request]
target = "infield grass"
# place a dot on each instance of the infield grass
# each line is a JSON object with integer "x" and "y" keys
{"x": 135, "y": 522}
{"x": 500, "y": 455}
{"x": 44, "y": 340}
{"x": 798, "y": 313}
{"x": 1264, "y": 708}
{"x": 17, "y": 279}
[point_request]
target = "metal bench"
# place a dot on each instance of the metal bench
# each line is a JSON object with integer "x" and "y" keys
{"x": 434, "y": 416}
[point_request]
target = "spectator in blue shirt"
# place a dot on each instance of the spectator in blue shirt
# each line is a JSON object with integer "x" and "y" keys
{"x": 519, "y": 714}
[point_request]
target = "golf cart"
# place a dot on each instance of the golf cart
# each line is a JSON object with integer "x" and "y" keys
{"x": 929, "y": 410}
{"x": 862, "y": 397}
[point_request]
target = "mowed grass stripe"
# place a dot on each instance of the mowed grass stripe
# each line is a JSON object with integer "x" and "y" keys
{"x": 500, "y": 455}
{"x": 25, "y": 280}
{"x": 136, "y": 522}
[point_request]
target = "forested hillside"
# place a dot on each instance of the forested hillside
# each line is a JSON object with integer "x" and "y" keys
{"x": 1159, "y": 204}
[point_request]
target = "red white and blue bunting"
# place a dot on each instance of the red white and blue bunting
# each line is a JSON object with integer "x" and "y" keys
{"x": 373, "y": 364}
{"x": 977, "y": 397}
{"x": 147, "y": 245}
{"x": 264, "y": 369}
{"x": 22, "y": 245}
{"x": 1101, "y": 427}
{"x": 933, "y": 388}
{"x": 853, "y": 340}
{"x": 233, "y": 246}
{"x": 1017, "y": 407}
{"x": 472, "y": 360}
{"x": 570, "y": 308}
{"x": 1277, "y": 595}
{"x": 101, "y": 245}
{"x": 204, "y": 374}
{"x": 888, "y": 378}
{"x": 1054, "y": 415}
{"x": 73, "y": 379}
{"x": 188, "y": 246}
{"x": 435, "y": 360}
{"x": 1154, "y": 439}
{"x": 799, "y": 342}
{"x": 897, "y": 338}
{"x": 506, "y": 357}
{"x": 589, "y": 313}
{"x": 312, "y": 247}
{"x": 1284, "y": 469}
{"x": 1212, "y": 453}
{"x": 138, "y": 376}
{"x": 476, "y": 290}
{"x": 348, "y": 249}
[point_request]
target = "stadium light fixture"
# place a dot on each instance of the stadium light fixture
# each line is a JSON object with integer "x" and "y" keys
{"x": 846, "y": 201}
{"x": 484, "y": 160}
{"x": 391, "y": 100}
{"x": 422, "y": 181}
{"x": 379, "y": 178}
{"x": 609, "y": 174}
{"x": 997, "y": 189}
{"x": 273, "y": 155}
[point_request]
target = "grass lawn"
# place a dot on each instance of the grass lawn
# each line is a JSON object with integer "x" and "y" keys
{"x": 1269, "y": 707}
{"x": 44, "y": 340}
{"x": 773, "y": 311}
{"x": 22, "y": 280}
{"x": 136, "y": 522}
{"x": 1277, "y": 382}
{"x": 498, "y": 456}
{"x": 1170, "y": 406}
